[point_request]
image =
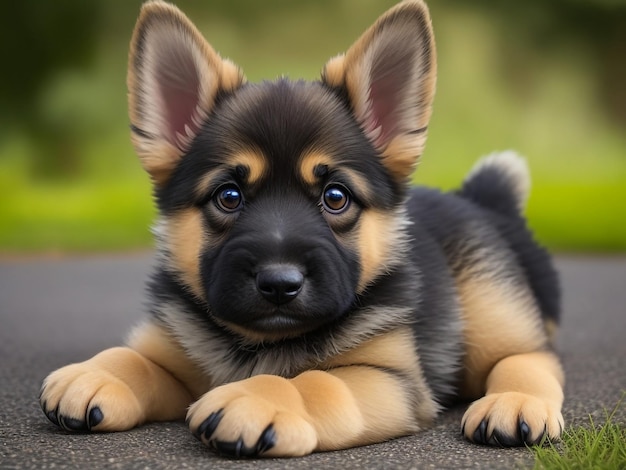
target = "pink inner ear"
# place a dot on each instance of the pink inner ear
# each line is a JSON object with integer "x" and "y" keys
{"x": 390, "y": 77}
{"x": 179, "y": 86}
{"x": 384, "y": 99}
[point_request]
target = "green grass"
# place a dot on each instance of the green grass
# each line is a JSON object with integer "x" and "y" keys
{"x": 108, "y": 207}
{"x": 587, "y": 447}
{"x": 87, "y": 217}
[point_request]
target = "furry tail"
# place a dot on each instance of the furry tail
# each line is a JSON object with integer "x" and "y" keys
{"x": 500, "y": 182}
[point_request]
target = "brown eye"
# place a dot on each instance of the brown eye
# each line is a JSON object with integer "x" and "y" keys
{"x": 336, "y": 199}
{"x": 229, "y": 198}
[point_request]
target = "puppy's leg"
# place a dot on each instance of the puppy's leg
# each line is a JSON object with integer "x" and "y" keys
{"x": 522, "y": 403}
{"x": 507, "y": 359}
{"x": 367, "y": 395}
{"x": 115, "y": 390}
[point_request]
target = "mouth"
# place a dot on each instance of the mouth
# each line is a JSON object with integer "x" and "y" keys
{"x": 274, "y": 327}
{"x": 279, "y": 323}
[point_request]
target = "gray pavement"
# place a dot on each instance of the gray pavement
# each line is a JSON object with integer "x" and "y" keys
{"x": 53, "y": 312}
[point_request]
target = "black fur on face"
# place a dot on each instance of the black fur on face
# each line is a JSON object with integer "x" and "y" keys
{"x": 280, "y": 256}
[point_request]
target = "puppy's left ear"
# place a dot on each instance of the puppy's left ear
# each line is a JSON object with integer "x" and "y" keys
{"x": 389, "y": 75}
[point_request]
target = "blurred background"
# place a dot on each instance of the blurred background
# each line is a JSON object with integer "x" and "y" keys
{"x": 544, "y": 77}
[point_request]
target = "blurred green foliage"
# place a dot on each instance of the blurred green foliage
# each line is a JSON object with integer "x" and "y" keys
{"x": 545, "y": 77}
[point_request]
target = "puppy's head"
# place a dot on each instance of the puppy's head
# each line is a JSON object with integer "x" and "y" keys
{"x": 282, "y": 201}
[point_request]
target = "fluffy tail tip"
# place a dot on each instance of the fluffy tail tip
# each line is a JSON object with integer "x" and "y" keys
{"x": 498, "y": 176}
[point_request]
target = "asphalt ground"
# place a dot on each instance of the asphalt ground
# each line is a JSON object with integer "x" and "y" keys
{"x": 57, "y": 311}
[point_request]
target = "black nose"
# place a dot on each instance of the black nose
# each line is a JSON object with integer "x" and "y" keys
{"x": 279, "y": 283}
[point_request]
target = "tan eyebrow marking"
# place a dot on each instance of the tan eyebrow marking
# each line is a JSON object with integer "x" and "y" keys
{"x": 308, "y": 164}
{"x": 252, "y": 160}
{"x": 312, "y": 160}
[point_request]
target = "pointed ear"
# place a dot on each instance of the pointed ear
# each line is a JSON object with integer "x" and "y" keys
{"x": 389, "y": 75}
{"x": 173, "y": 78}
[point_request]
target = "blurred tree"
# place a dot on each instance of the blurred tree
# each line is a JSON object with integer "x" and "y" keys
{"x": 598, "y": 27}
{"x": 37, "y": 39}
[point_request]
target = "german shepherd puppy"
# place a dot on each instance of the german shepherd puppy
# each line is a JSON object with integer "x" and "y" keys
{"x": 305, "y": 298}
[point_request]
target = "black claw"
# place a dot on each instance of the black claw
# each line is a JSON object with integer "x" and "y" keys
{"x": 463, "y": 429}
{"x": 209, "y": 425}
{"x": 71, "y": 424}
{"x": 235, "y": 449}
{"x": 493, "y": 440}
{"x": 480, "y": 435}
{"x": 238, "y": 449}
{"x": 52, "y": 416}
{"x": 95, "y": 417}
{"x": 267, "y": 440}
{"x": 503, "y": 440}
{"x": 524, "y": 430}
{"x": 228, "y": 448}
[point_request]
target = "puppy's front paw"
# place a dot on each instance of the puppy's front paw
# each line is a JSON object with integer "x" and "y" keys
{"x": 82, "y": 397}
{"x": 511, "y": 419}
{"x": 245, "y": 419}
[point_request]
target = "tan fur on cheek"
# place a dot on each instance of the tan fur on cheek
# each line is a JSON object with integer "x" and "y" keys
{"x": 379, "y": 241}
{"x": 186, "y": 237}
{"x": 372, "y": 247}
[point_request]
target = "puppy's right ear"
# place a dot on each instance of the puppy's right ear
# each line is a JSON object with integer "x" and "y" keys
{"x": 389, "y": 76}
{"x": 173, "y": 78}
